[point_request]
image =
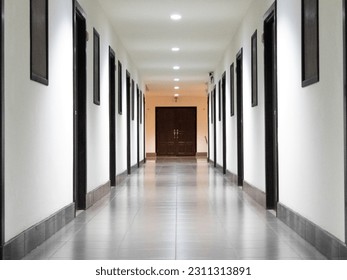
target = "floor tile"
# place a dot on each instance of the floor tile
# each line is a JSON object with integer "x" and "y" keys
{"x": 175, "y": 208}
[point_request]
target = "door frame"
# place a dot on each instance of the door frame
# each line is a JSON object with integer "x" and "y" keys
{"x": 344, "y": 14}
{"x": 2, "y": 134}
{"x": 271, "y": 126}
{"x": 128, "y": 101}
{"x": 224, "y": 123}
{"x": 138, "y": 123}
{"x": 240, "y": 140}
{"x": 112, "y": 115}
{"x": 144, "y": 126}
{"x": 176, "y": 107}
{"x": 208, "y": 127}
{"x": 214, "y": 126}
{"x": 79, "y": 192}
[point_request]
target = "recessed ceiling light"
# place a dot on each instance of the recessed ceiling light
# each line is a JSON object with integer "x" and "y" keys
{"x": 177, "y": 87}
{"x": 175, "y": 16}
{"x": 175, "y": 49}
{"x": 176, "y": 67}
{"x": 176, "y": 80}
{"x": 176, "y": 95}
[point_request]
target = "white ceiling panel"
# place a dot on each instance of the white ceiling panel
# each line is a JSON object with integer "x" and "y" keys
{"x": 148, "y": 34}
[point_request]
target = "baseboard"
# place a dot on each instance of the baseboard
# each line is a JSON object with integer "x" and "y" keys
{"x": 121, "y": 178}
{"x": 98, "y": 193}
{"x": 201, "y": 155}
{"x": 323, "y": 241}
{"x": 232, "y": 177}
{"x": 24, "y": 243}
{"x": 256, "y": 194}
{"x": 151, "y": 155}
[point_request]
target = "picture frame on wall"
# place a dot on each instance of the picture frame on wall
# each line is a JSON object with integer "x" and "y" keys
{"x": 39, "y": 41}
{"x": 220, "y": 100}
{"x": 120, "y": 89}
{"x": 254, "y": 68}
{"x": 232, "y": 90}
{"x": 310, "y": 42}
{"x": 96, "y": 69}
{"x": 132, "y": 100}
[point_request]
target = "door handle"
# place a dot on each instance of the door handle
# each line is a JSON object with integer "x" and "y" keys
{"x": 176, "y": 132}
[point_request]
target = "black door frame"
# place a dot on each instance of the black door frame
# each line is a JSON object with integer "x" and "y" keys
{"x": 80, "y": 129}
{"x": 214, "y": 127}
{"x": 271, "y": 111}
{"x": 128, "y": 100}
{"x": 144, "y": 128}
{"x": 208, "y": 127}
{"x": 344, "y": 13}
{"x": 239, "y": 92}
{"x": 112, "y": 115}
{"x": 224, "y": 123}
{"x": 138, "y": 123}
{"x": 2, "y": 141}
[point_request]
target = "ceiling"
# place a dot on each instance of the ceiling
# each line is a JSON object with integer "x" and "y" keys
{"x": 148, "y": 34}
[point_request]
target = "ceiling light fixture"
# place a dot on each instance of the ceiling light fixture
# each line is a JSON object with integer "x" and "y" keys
{"x": 175, "y": 49}
{"x": 176, "y": 80}
{"x": 176, "y": 17}
{"x": 176, "y": 67}
{"x": 177, "y": 87}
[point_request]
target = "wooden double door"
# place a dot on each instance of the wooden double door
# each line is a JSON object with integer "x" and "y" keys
{"x": 176, "y": 131}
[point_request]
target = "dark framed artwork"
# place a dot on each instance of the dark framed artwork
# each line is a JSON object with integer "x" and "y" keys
{"x": 96, "y": 69}
{"x": 232, "y": 90}
{"x": 120, "y": 88}
{"x": 39, "y": 41}
{"x": 310, "y": 42}
{"x": 141, "y": 97}
{"x": 132, "y": 100}
{"x": 212, "y": 106}
{"x": 220, "y": 100}
{"x": 254, "y": 68}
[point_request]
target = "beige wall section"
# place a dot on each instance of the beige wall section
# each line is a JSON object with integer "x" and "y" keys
{"x": 167, "y": 101}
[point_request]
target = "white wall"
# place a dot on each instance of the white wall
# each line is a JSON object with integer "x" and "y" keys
{"x": 97, "y": 116}
{"x": 254, "y": 135}
{"x": 311, "y": 119}
{"x": 311, "y": 147}
{"x": 38, "y": 120}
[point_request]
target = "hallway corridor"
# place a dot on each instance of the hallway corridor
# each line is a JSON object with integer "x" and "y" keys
{"x": 176, "y": 209}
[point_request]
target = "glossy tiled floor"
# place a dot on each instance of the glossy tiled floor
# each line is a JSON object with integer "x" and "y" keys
{"x": 176, "y": 209}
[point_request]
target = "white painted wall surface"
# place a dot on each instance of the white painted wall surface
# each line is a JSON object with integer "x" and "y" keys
{"x": 38, "y": 120}
{"x": 311, "y": 144}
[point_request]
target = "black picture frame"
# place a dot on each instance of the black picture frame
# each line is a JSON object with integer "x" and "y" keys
{"x": 96, "y": 67}
{"x": 220, "y": 100}
{"x": 141, "y": 104}
{"x": 39, "y": 51}
{"x": 310, "y": 42}
{"x": 254, "y": 68}
{"x": 120, "y": 88}
{"x": 132, "y": 100}
{"x": 212, "y": 106}
{"x": 232, "y": 90}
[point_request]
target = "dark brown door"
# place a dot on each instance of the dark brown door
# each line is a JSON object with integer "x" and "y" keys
{"x": 271, "y": 150}
{"x": 128, "y": 100}
{"x": 80, "y": 108}
{"x": 345, "y": 101}
{"x": 2, "y": 188}
{"x": 239, "y": 84}
{"x": 176, "y": 131}
{"x": 112, "y": 112}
